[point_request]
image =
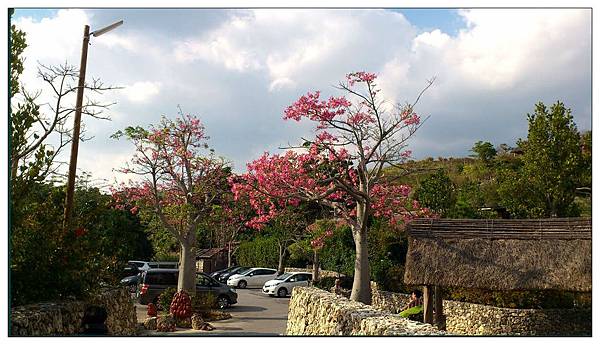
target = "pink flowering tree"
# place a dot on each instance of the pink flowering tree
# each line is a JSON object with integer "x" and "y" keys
{"x": 178, "y": 183}
{"x": 357, "y": 135}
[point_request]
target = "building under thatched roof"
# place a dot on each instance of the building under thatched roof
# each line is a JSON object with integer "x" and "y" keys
{"x": 501, "y": 254}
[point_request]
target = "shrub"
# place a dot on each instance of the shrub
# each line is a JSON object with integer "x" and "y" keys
{"x": 326, "y": 283}
{"x": 165, "y": 298}
{"x": 48, "y": 263}
{"x": 338, "y": 253}
{"x": 260, "y": 252}
{"x": 204, "y": 301}
{"x": 414, "y": 313}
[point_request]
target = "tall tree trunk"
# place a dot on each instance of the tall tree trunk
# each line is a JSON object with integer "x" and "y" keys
{"x": 361, "y": 286}
{"x": 229, "y": 254}
{"x": 280, "y": 268}
{"x": 315, "y": 272}
{"x": 14, "y": 168}
{"x": 187, "y": 270}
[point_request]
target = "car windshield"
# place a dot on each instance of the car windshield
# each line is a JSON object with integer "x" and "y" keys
{"x": 283, "y": 276}
{"x": 240, "y": 270}
{"x": 245, "y": 271}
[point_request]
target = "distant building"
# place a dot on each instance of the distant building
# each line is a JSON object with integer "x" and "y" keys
{"x": 210, "y": 260}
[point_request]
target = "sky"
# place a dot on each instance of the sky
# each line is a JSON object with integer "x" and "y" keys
{"x": 239, "y": 69}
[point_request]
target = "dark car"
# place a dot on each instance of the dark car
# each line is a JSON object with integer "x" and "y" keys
{"x": 217, "y": 274}
{"x": 154, "y": 281}
{"x": 224, "y": 276}
{"x": 131, "y": 282}
{"x": 130, "y": 270}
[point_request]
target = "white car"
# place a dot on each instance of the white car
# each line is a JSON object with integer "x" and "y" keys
{"x": 283, "y": 285}
{"x": 253, "y": 277}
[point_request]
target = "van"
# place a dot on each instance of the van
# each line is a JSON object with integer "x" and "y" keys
{"x": 156, "y": 280}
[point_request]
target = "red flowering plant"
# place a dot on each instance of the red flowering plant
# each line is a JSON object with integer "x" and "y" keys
{"x": 178, "y": 183}
{"x": 342, "y": 167}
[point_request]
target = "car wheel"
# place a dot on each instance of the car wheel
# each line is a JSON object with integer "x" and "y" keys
{"x": 223, "y": 302}
{"x": 242, "y": 284}
{"x": 132, "y": 288}
{"x": 282, "y": 292}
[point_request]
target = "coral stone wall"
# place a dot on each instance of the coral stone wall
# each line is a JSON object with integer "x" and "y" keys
{"x": 477, "y": 319}
{"x": 322, "y": 273}
{"x": 314, "y": 311}
{"x": 65, "y": 318}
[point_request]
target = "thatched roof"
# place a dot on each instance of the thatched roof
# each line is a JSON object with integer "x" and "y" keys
{"x": 209, "y": 252}
{"x": 501, "y": 254}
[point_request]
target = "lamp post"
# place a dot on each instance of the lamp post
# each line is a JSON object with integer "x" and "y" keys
{"x": 77, "y": 121}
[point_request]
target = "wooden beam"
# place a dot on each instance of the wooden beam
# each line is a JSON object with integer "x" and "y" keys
{"x": 428, "y": 304}
{"x": 439, "y": 308}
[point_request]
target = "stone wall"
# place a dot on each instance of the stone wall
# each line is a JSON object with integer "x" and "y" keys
{"x": 477, "y": 319}
{"x": 65, "y": 318}
{"x": 322, "y": 273}
{"x": 314, "y": 311}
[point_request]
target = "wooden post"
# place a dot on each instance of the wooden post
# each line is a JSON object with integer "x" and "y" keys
{"x": 428, "y": 304}
{"x": 439, "y": 308}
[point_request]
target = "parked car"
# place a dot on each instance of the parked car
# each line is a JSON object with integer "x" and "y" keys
{"x": 164, "y": 264}
{"x": 253, "y": 277}
{"x": 130, "y": 270}
{"x": 283, "y": 285}
{"x": 223, "y": 276}
{"x": 131, "y": 282}
{"x": 146, "y": 265}
{"x": 154, "y": 281}
{"x": 141, "y": 265}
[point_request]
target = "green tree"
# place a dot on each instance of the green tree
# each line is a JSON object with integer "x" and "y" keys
{"x": 485, "y": 151}
{"x": 49, "y": 263}
{"x": 287, "y": 228}
{"x": 553, "y": 164}
{"x": 436, "y": 191}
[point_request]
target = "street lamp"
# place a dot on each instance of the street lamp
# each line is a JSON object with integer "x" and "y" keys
{"x": 77, "y": 120}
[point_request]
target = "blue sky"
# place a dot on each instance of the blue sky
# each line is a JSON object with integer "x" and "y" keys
{"x": 239, "y": 69}
{"x": 446, "y": 20}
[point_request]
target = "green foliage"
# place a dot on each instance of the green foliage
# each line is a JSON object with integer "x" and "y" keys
{"x": 553, "y": 166}
{"x": 387, "y": 256}
{"x": 484, "y": 151}
{"x": 34, "y": 159}
{"x": 17, "y": 45}
{"x": 204, "y": 301}
{"x": 414, "y": 313}
{"x": 436, "y": 192}
{"x": 326, "y": 283}
{"x": 338, "y": 253}
{"x": 165, "y": 298}
{"x": 261, "y": 251}
{"x": 48, "y": 263}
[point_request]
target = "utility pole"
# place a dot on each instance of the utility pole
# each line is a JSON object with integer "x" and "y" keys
{"x": 77, "y": 121}
{"x": 76, "y": 130}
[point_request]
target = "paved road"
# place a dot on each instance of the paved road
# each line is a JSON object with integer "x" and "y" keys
{"x": 255, "y": 314}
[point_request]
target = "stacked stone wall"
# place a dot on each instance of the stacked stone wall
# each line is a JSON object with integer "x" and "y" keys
{"x": 66, "y": 318}
{"x": 476, "y": 319}
{"x": 314, "y": 311}
{"x": 322, "y": 273}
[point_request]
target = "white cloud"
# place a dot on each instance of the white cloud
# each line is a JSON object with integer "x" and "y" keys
{"x": 293, "y": 45}
{"x": 141, "y": 91}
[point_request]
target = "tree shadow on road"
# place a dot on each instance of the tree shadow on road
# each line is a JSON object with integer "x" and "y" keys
{"x": 246, "y": 308}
